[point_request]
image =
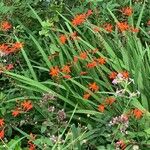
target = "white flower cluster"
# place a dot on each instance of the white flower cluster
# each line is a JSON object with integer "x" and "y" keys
{"x": 126, "y": 81}
{"x": 120, "y": 78}
{"x": 122, "y": 121}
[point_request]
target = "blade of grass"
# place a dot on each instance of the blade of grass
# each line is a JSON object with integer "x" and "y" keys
{"x": 27, "y": 61}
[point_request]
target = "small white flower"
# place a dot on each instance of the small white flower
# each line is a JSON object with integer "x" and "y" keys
{"x": 135, "y": 147}
{"x": 120, "y": 92}
{"x": 2, "y": 54}
{"x": 4, "y": 60}
{"x": 115, "y": 81}
{"x": 119, "y": 75}
{"x": 88, "y": 115}
{"x": 132, "y": 80}
{"x": 133, "y": 94}
{"x": 138, "y": 92}
{"x": 84, "y": 141}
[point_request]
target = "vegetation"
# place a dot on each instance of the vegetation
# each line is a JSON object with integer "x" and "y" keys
{"x": 74, "y": 75}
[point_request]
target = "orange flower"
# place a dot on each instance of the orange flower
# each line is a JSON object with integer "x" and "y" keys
{"x": 123, "y": 26}
{"x": 32, "y": 137}
{"x": 89, "y": 13}
{"x": 94, "y": 50}
{"x": 125, "y": 74}
{"x": 148, "y": 22}
{"x": 31, "y": 146}
{"x": 127, "y": 11}
{"x": 74, "y": 35}
{"x": 4, "y": 47}
{"x": 93, "y": 86}
{"x": 27, "y": 105}
{"x": 75, "y": 59}
{"x": 2, "y": 134}
{"x": 83, "y": 55}
{"x": 112, "y": 75}
{"x": 66, "y": 69}
{"x": 5, "y": 26}
{"x": 108, "y": 27}
{"x": 8, "y": 50}
{"x": 2, "y": 122}
{"x": 134, "y": 30}
{"x": 79, "y": 19}
{"x": 101, "y": 108}
{"x": 121, "y": 144}
{"x": 91, "y": 64}
{"x": 17, "y": 45}
{"x": 86, "y": 96}
{"x": 83, "y": 73}
{"x": 63, "y": 39}
{"x": 67, "y": 76}
{"x": 54, "y": 71}
{"x": 110, "y": 100}
{"x": 9, "y": 67}
{"x": 96, "y": 29}
{"x": 15, "y": 112}
{"x": 101, "y": 60}
{"x": 137, "y": 113}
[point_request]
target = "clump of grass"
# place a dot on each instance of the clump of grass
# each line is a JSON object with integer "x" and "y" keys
{"x": 87, "y": 78}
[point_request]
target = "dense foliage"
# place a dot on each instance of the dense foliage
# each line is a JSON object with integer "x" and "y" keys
{"x": 74, "y": 74}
